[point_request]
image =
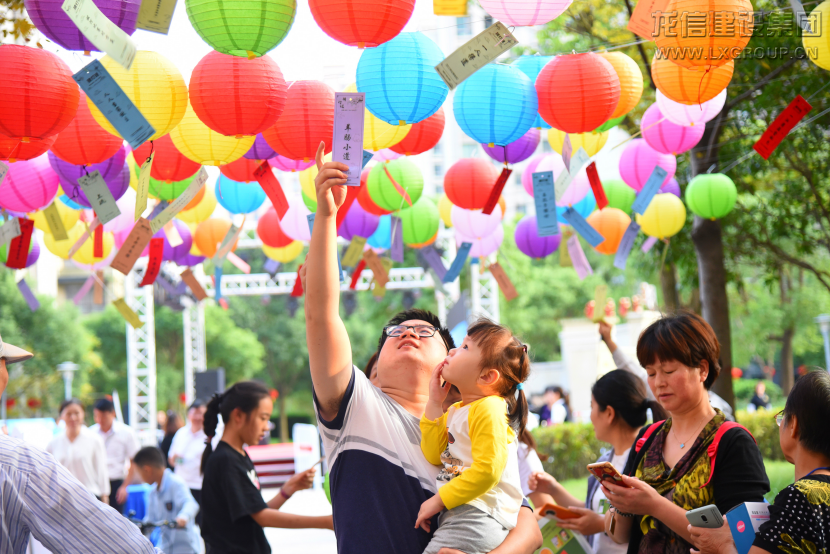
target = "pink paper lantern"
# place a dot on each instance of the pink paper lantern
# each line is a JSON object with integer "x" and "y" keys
{"x": 525, "y": 12}
{"x": 484, "y": 246}
{"x": 295, "y": 222}
{"x": 386, "y": 155}
{"x": 695, "y": 114}
{"x": 475, "y": 223}
{"x": 527, "y": 174}
{"x": 288, "y": 165}
{"x": 579, "y": 187}
{"x": 29, "y": 185}
{"x": 639, "y": 160}
{"x": 666, "y": 136}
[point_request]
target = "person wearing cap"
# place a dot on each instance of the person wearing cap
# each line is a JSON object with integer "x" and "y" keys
{"x": 40, "y": 498}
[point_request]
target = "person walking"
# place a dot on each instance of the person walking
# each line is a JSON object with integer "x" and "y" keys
{"x": 173, "y": 424}
{"x": 121, "y": 445}
{"x": 185, "y": 456}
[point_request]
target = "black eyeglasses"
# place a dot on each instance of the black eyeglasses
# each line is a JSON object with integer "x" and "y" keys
{"x": 423, "y": 332}
{"x": 779, "y": 418}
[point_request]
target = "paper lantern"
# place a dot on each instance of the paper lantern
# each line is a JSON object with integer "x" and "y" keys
{"x": 517, "y": 151}
{"x": 70, "y": 173}
{"x": 420, "y": 222}
{"x": 68, "y": 216}
{"x": 236, "y": 96}
{"x": 610, "y": 124}
{"x": 246, "y": 28}
{"x": 66, "y": 201}
{"x": 295, "y": 221}
{"x": 196, "y": 200}
{"x": 445, "y": 210}
{"x": 687, "y": 86}
{"x": 695, "y": 114}
{"x": 475, "y": 223}
{"x": 457, "y": 8}
{"x": 422, "y": 136}
{"x": 29, "y": 185}
{"x": 584, "y": 207}
{"x": 496, "y": 105}
{"x": 285, "y": 164}
{"x": 38, "y": 97}
{"x": 202, "y": 210}
{"x": 306, "y": 121}
{"x": 168, "y": 163}
{"x": 577, "y": 92}
{"x": 358, "y": 223}
{"x": 382, "y": 238}
{"x": 285, "y": 254}
{"x": 668, "y": 137}
{"x": 525, "y": 12}
{"x": 197, "y": 142}
{"x": 817, "y": 43}
{"x": 638, "y": 161}
{"x": 400, "y": 80}
{"x": 362, "y": 23}
{"x": 619, "y": 195}
{"x": 378, "y": 134}
{"x": 14, "y": 150}
{"x": 579, "y": 187}
{"x": 700, "y": 42}
{"x": 469, "y": 182}
{"x": 592, "y": 141}
{"x": 209, "y": 235}
{"x": 664, "y": 217}
{"x": 118, "y": 185}
{"x": 611, "y": 223}
{"x": 530, "y": 243}
{"x": 55, "y": 25}
{"x": 309, "y": 201}
{"x": 711, "y": 195}
{"x": 385, "y": 155}
{"x": 86, "y": 254}
{"x": 242, "y": 170}
{"x": 156, "y": 88}
{"x": 174, "y": 253}
{"x": 169, "y": 190}
{"x": 388, "y": 194}
{"x": 269, "y": 231}
{"x": 365, "y": 200}
{"x": 239, "y": 198}
{"x": 482, "y": 246}
{"x": 631, "y": 81}
{"x": 83, "y": 141}
{"x": 529, "y": 170}
{"x": 672, "y": 187}
{"x": 260, "y": 150}
{"x": 532, "y": 66}
{"x": 31, "y": 257}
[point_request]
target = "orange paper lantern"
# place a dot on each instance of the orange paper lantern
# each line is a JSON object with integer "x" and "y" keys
{"x": 362, "y": 23}
{"x": 688, "y": 86}
{"x": 307, "y": 120}
{"x": 469, "y": 182}
{"x": 611, "y": 223}
{"x": 577, "y": 92}
{"x": 631, "y": 81}
{"x": 241, "y": 171}
{"x": 169, "y": 165}
{"x": 209, "y": 235}
{"x": 422, "y": 136}
{"x": 84, "y": 142}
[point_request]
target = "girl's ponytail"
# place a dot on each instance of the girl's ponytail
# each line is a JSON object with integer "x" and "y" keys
{"x": 211, "y": 421}
{"x": 517, "y": 410}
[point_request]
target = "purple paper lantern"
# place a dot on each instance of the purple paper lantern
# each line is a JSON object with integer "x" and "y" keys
{"x": 672, "y": 186}
{"x": 190, "y": 260}
{"x": 529, "y": 241}
{"x": 70, "y": 173}
{"x": 518, "y": 150}
{"x": 53, "y": 22}
{"x": 174, "y": 253}
{"x": 260, "y": 150}
{"x": 118, "y": 185}
{"x": 358, "y": 223}
{"x": 31, "y": 258}
{"x": 285, "y": 164}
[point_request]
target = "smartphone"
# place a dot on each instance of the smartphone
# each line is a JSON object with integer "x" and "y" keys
{"x": 707, "y": 517}
{"x": 604, "y": 471}
{"x": 559, "y": 512}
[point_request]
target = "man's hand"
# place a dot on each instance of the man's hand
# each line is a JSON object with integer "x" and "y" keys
{"x": 588, "y": 523}
{"x": 121, "y": 494}
{"x": 181, "y": 522}
{"x": 605, "y": 331}
{"x": 635, "y": 497}
{"x": 428, "y": 509}
{"x": 542, "y": 482}
{"x": 713, "y": 541}
{"x": 330, "y": 184}
{"x": 300, "y": 481}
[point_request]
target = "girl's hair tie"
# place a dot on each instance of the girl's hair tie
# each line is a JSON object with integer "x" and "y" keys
{"x": 520, "y": 386}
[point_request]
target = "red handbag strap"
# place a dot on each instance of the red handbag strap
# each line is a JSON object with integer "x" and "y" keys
{"x": 713, "y": 448}
{"x": 650, "y": 431}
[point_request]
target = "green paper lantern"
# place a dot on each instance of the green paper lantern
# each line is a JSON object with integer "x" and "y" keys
{"x": 384, "y": 193}
{"x": 242, "y": 27}
{"x": 310, "y": 203}
{"x": 420, "y": 222}
{"x": 619, "y": 195}
{"x": 164, "y": 190}
{"x": 610, "y": 124}
{"x": 711, "y": 195}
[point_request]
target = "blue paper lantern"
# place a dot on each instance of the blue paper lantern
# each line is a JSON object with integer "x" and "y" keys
{"x": 400, "y": 81}
{"x": 531, "y": 66}
{"x": 70, "y": 203}
{"x": 584, "y": 207}
{"x": 496, "y": 105}
{"x": 382, "y": 238}
{"x": 239, "y": 198}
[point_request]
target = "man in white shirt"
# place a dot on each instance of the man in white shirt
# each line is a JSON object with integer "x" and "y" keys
{"x": 186, "y": 451}
{"x": 121, "y": 445}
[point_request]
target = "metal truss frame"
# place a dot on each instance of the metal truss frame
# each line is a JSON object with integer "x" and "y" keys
{"x": 141, "y": 358}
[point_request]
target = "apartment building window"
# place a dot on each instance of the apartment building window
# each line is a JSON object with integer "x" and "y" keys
{"x": 438, "y": 150}
{"x": 488, "y": 21}
{"x": 465, "y": 25}
{"x": 438, "y": 170}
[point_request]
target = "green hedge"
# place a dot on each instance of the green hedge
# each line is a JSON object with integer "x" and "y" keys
{"x": 763, "y": 427}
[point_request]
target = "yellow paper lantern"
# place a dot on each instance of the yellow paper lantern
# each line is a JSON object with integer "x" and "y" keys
{"x": 377, "y": 134}
{"x": 445, "y": 210}
{"x": 456, "y": 8}
{"x": 286, "y": 253}
{"x": 68, "y": 216}
{"x": 202, "y": 211}
{"x": 817, "y": 41}
{"x": 154, "y": 85}
{"x": 84, "y": 255}
{"x": 631, "y": 81}
{"x": 591, "y": 141}
{"x": 689, "y": 86}
{"x": 133, "y": 172}
{"x": 197, "y": 142}
{"x": 664, "y": 217}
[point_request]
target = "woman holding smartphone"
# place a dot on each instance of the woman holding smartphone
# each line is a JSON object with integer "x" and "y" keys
{"x": 671, "y": 471}
{"x": 619, "y": 407}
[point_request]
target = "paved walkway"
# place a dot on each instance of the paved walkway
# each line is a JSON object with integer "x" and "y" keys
{"x": 302, "y": 541}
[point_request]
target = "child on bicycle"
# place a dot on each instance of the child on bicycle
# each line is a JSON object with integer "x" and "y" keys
{"x": 475, "y": 441}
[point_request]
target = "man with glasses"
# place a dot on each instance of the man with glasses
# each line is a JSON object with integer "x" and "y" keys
{"x": 379, "y": 477}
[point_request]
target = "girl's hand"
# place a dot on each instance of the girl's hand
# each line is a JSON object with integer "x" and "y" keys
{"x": 329, "y": 184}
{"x": 636, "y": 497}
{"x": 428, "y": 509}
{"x": 588, "y": 523}
{"x": 542, "y": 482}
{"x": 300, "y": 481}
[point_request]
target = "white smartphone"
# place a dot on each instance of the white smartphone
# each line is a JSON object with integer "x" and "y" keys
{"x": 707, "y": 517}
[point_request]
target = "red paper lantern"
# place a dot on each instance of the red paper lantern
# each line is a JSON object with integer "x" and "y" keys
{"x": 10, "y": 402}
{"x": 307, "y": 120}
{"x": 84, "y": 142}
{"x": 169, "y": 165}
{"x": 38, "y": 97}
{"x": 241, "y": 171}
{"x": 362, "y": 23}
{"x": 33, "y": 403}
{"x": 469, "y": 182}
{"x": 274, "y": 394}
{"x": 13, "y": 150}
{"x": 269, "y": 231}
{"x": 364, "y": 199}
{"x": 236, "y": 96}
{"x": 577, "y": 92}
{"x": 422, "y": 135}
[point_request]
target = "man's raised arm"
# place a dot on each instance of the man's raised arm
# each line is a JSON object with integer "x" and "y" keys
{"x": 329, "y": 351}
